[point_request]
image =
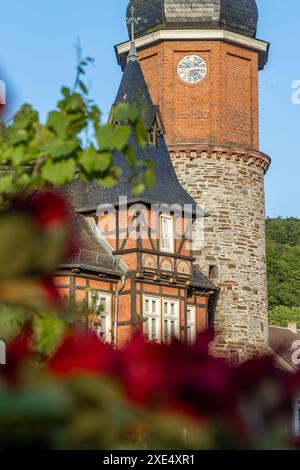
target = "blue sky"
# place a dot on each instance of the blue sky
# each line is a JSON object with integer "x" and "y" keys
{"x": 37, "y": 57}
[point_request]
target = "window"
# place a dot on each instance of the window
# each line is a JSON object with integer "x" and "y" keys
{"x": 213, "y": 273}
{"x": 234, "y": 357}
{"x": 297, "y": 419}
{"x": 170, "y": 320}
{"x": 101, "y": 305}
{"x": 166, "y": 233}
{"x": 152, "y": 318}
{"x": 153, "y": 138}
{"x": 191, "y": 325}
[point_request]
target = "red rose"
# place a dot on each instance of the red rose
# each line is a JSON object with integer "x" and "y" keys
{"x": 47, "y": 207}
{"x": 141, "y": 367}
{"x": 197, "y": 381}
{"x": 82, "y": 352}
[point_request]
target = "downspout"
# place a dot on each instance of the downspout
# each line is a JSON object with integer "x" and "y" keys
{"x": 116, "y": 319}
{"x": 121, "y": 265}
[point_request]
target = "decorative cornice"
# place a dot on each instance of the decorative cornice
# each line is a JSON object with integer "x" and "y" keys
{"x": 262, "y": 47}
{"x": 230, "y": 153}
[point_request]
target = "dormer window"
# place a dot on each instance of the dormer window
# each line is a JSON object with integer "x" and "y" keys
{"x": 153, "y": 137}
{"x": 166, "y": 233}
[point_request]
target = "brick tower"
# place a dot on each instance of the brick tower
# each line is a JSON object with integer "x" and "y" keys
{"x": 201, "y": 60}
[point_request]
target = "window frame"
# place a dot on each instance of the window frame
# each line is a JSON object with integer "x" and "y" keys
{"x": 170, "y": 218}
{"x": 169, "y": 318}
{"x": 156, "y": 316}
{"x": 153, "y": 138}
{"x": 107, "y": 336}
{"x": 191, "y": 324}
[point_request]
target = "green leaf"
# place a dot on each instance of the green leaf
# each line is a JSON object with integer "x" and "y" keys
{"x": 16, "y": 155}
{"x": 59, "y": 149}
{"x": 56, "y": 122}
{"x": 76, "y": 123}
{"x": 103, "y": 161}
{"x": 65, "y": 92}
{"x": 12, "y": 320}
{"x": 83, "y": 87}
{"x": 149, "y": 178}
{"x": 6, "y": 184}
{"x": 91, "y": 160}
{"x": 21, "y": 136}
{"x": 122, "y": 136}
{"x": 141, "y": 133}
{"x": 110, "y": 137}
{"x": 116, "y": 171}
{"x": 76, "y": 103}
{"x": 59, "y": 173}
{"x": 108, "y": 181}
{"x": 138, "y": 189}
{"x": 48, "y": 331}
{"x": 25, "y": 118}
{"x": 129, "y": 153}
{"x": 124, "y": 112}
{"x": 87, "y": 159}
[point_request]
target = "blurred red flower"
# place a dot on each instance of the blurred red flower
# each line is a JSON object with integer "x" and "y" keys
{"x": 50, "y": 228}
{"x": 49, "y": 207}
{"x": 142, "y": 369}
{"x": 82, "y": 353}
{"x": 46, "y": 207}
{"x": 183, "y": 378}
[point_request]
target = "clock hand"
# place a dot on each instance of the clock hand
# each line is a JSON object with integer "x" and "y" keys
{"x": 194, "y": 68}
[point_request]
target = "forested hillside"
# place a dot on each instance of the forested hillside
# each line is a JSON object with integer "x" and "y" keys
{"x": 283, "y": 255}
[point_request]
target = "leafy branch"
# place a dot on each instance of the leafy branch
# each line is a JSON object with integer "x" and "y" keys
{"x": 72, "y": 143}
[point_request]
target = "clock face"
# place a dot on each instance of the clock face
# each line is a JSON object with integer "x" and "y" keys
{"x": 192, "y": 69}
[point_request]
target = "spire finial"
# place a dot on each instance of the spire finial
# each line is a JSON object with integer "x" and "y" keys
{"x": 132, "y": 21}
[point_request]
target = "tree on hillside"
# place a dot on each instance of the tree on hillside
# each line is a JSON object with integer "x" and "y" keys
{"x": 283, "y": 258}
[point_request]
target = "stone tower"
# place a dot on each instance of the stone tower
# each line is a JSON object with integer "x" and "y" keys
{"x": 201, "y": 60}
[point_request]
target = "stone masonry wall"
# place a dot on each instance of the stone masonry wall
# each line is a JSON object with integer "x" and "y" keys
{"x": 231, "y": 189}
{"x": 212, "y": 134}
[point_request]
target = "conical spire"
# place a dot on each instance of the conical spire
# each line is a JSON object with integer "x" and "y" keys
{"x": 134, "y": 91}
{"x": 132, "y": 21}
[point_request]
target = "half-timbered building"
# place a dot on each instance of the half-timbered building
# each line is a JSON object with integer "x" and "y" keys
{"x": 137, "y": 266}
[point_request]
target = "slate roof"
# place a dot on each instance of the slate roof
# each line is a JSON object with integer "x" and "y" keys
{"x": 167, "y": 190}
{"x": 200, "y": 280}
{"x": 134, "y": 90}
{"x": 281, "y": 341}
{"x": 240, "y": 16}
{"x": 92, "y": 256}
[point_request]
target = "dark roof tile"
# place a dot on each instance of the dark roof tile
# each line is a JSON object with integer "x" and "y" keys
{"x": 92, "y": 256}
{"x": 240, "y": 16}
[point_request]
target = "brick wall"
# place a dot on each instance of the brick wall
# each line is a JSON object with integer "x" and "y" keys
{"x": 223, "y": 108}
